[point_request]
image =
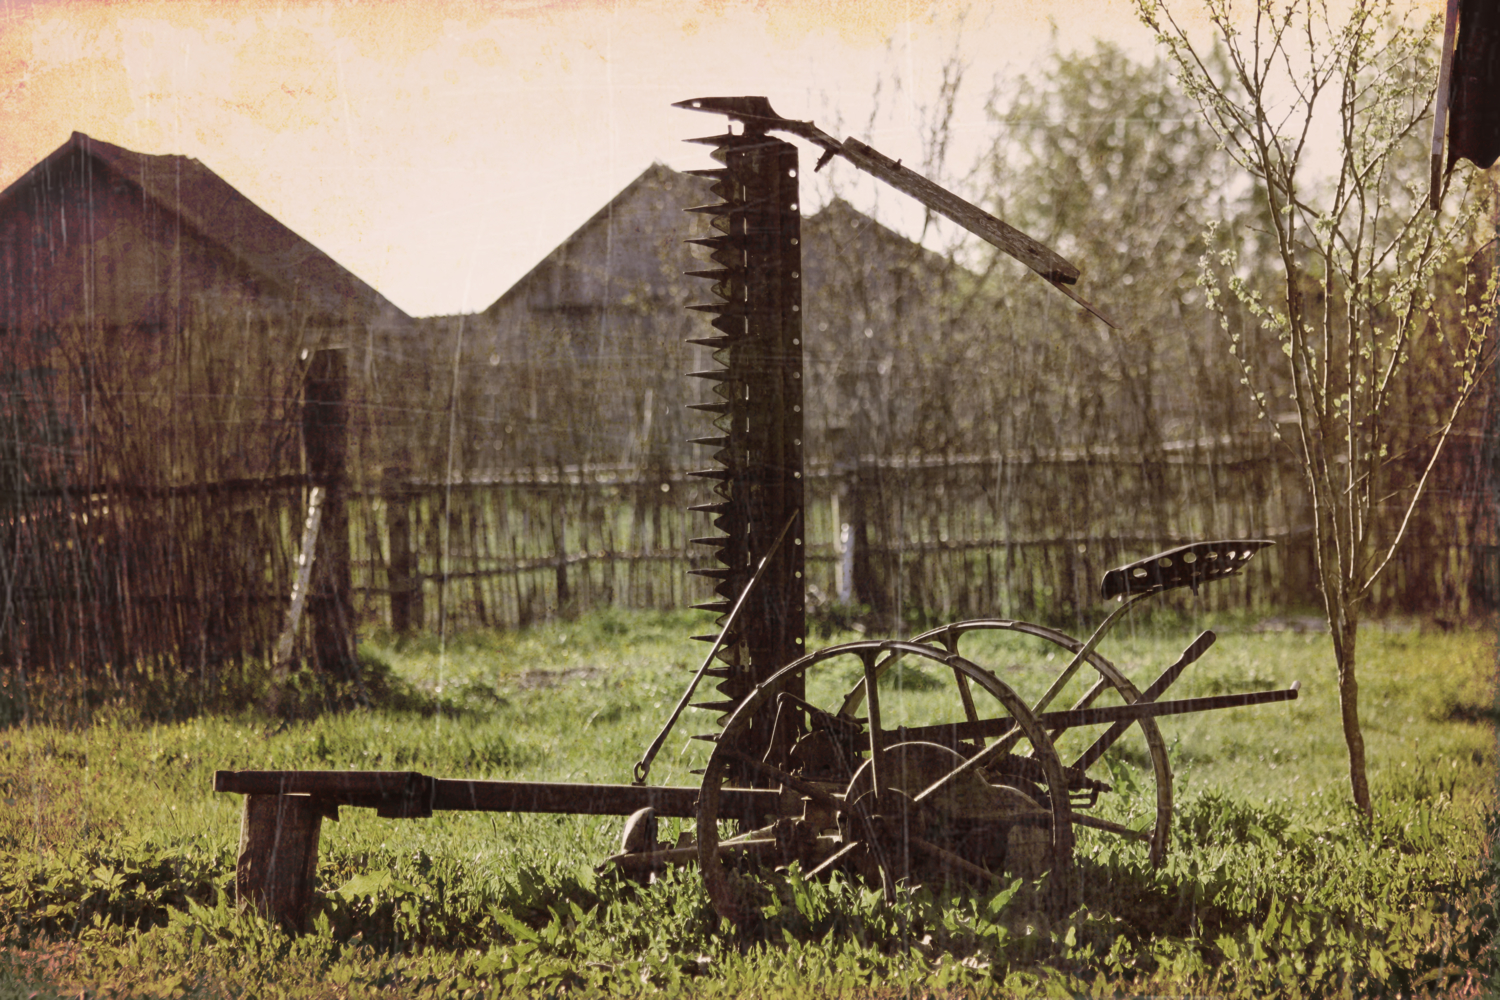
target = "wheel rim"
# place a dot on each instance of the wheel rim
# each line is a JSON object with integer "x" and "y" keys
{"x": 726, "y": 891}
{"x": 1161, "y": 769}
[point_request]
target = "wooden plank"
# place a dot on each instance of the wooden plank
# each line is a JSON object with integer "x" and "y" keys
{"x": 411, "y": 794}
{"x": 1440, "y": 104}
{"x": 1040, "y": 258}
{"x": 282, "y": 658}
{"x": 402, "y": 578}
{"x": 325, "y": 438}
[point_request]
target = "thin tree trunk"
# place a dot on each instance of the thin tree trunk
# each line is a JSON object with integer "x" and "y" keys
{"x": 1343, "y": 623}
{"x": 1345, "y": 633}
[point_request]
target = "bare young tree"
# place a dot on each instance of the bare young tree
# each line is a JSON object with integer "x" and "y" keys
{"x": 1361, "y": 301}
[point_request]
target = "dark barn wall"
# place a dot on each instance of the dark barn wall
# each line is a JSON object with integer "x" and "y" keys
{"x": 124, "y": 271}
{"x": 581, "y": 360}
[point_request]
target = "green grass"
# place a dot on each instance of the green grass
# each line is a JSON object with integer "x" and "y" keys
{"x": 116, "y": 858}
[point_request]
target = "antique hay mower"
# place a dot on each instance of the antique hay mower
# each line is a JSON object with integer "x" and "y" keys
{"x": 900, "y": 761}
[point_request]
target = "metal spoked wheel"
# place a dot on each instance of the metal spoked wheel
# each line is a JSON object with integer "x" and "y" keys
{"x": 1154, "y": 768}
{"x": 909, "y": 793}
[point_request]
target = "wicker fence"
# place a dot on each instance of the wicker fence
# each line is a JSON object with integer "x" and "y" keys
{"x": 948, "y": 538}
{"x": 191, "y": 577}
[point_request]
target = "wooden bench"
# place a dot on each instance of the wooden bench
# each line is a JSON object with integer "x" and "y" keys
{"x": 283, "y": 814}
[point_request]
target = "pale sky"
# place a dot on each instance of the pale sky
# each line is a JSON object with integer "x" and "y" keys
{"x": 440, "y": 148}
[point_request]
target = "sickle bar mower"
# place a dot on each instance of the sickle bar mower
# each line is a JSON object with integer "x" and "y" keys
{"x": 895, "y": 783}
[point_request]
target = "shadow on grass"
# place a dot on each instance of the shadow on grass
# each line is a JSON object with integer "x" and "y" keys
{"x": 160, "y": 695}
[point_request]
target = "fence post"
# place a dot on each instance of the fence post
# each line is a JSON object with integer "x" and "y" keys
{"x": 403, "y": 576}
{"x": 869, "y": 582}
{"x": 560, "y": 543}
{"x": 325, "y": 440}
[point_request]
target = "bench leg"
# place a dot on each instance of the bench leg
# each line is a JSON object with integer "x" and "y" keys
{"x": 278, "y": 858}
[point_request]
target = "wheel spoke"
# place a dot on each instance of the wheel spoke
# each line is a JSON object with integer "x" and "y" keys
{"x": 872, "y": 706}
{"x": 1103, "y": 824}
{"x": 948, "y": 857}
{"x": 1083, "y": 653}
{"x": 971, "y": 713}
{"x": 872, "y": 842}
{"x": 856, "y": 697}
{"x": 982, "y": 757}
{"x": 835, "y": 858}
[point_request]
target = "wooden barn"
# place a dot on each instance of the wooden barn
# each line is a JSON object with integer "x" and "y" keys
{"x": 133, "y": 274}
{"x": 98, "y": 234}
{"x": 160, "y": 335}
{"x": 581, "y": 362}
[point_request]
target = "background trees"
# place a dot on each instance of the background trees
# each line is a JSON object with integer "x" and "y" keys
{"x": 1377, "y": 360}
{"x": 1099, "y": 156}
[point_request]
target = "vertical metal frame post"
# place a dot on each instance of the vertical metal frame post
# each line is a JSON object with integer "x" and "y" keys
{"x": 757, "y": 410}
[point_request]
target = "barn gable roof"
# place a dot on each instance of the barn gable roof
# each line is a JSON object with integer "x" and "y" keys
{"x": 846, "y": 225}
{"x": 627, "y": 208}
{"x": 220, "y": 216}
{"x": 633, "y": 216}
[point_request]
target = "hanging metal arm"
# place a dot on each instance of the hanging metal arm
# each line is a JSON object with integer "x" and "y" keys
{"x": 643, "y": 766}
{"x": 756, "y": 112}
